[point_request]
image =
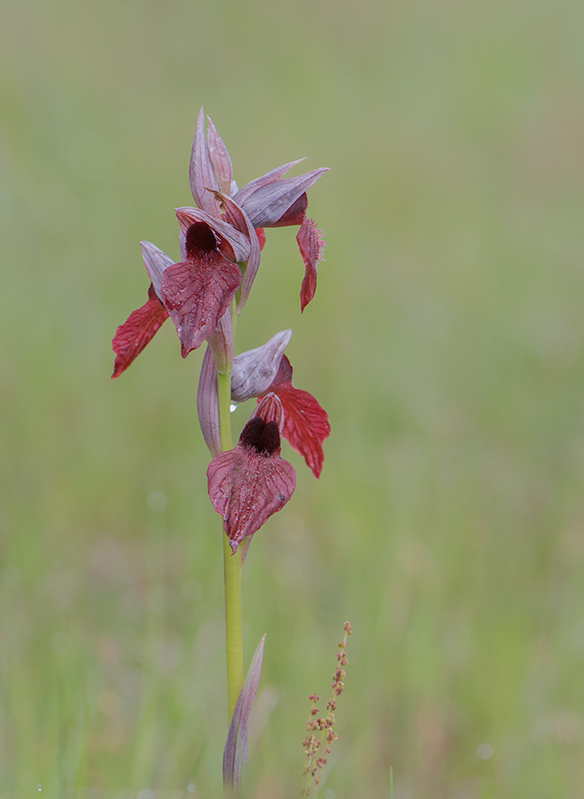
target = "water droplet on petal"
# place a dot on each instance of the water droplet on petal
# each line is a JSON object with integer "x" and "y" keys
{"x": 485, "y": 751}
{"x": 233, "y": 407}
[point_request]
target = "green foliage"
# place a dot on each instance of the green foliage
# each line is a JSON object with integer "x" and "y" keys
{"x": 445, "y": 340}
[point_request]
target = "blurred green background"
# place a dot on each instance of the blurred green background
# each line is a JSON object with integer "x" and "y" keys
{"x": 445, "y": 340}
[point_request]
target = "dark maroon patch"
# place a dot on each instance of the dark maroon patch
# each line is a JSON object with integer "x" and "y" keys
{"x": 200, "y": 237}
{"x": 263, "y": 437}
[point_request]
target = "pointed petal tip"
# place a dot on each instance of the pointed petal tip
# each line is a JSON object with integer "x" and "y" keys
{"x": 270, "y": 409}
{"x": 183, "y": 214}
{"x": 235, "y": 753}
{"x": 254, "y": 370}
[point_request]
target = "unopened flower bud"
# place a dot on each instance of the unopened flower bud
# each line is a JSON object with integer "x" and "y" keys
{"x": 221, "y": 342}
{"x": 255, "y": 370}
{"x": 207, "y": 405}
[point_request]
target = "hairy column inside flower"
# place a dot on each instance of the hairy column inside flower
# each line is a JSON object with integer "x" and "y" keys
{"x": 263, "y": 437}
{"x": 200, "y": 237}
{"x": 197, "y": 292}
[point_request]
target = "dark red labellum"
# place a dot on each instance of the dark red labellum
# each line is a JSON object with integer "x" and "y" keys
{"x": 200, "y": 237}
{"x": 261, "y": 436}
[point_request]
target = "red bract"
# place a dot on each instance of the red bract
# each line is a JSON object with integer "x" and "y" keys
{"x": 251, "y": 482}
{"x": 311, "y": 245}
{"x": 306, "y": 423}
{"x": 219, "y": 356}
{"x": 142, "y": 324}
{"x": 137, "y": 331}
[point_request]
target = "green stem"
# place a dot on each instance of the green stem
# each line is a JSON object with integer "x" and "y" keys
{"x": 233, "y": 566}
{"x": 233, "y": 625}
{"x": 224, "y": 399}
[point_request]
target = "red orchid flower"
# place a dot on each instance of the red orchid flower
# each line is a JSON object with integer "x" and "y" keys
{"x": 195, "y": 292}
{"x": 251, "y": 482}
{"x": 198, "y": 291}
{"x": 221, "y": 243}
{"x": 256, "y": 373}
{"x": 266, "y": 369}
{"x": 268, "y": 201}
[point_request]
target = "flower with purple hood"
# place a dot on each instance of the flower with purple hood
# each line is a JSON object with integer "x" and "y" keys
{"x": 257, "y": 373}
{"x": 221, "y": 243}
